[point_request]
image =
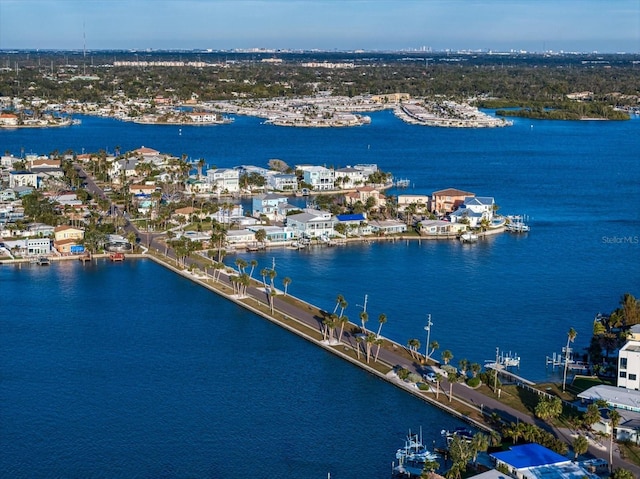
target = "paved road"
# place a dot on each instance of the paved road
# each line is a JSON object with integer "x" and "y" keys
{"x": 461, "y": 393}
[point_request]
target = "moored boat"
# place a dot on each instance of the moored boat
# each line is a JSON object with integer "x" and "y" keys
{"x": 413, "y": 456}
{"x": 468, "y": 237}
{"x": 516, "y": 224}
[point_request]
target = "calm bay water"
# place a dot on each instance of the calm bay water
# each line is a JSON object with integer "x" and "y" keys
{"x": 128, "y": 371}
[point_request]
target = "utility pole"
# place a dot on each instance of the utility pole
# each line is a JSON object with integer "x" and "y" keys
{"x": 495, "y": 379}
{"x": 427, "y": 328}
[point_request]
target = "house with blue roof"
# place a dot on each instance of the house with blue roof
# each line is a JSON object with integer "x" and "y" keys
{"x": 533, "y": 461}
{"x": 355, "y": 223}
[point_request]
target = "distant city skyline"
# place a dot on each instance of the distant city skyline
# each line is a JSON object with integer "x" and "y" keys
{"x": 611, "y": 26}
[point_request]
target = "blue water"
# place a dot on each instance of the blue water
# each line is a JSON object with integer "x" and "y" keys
{"x": 128, "y": 371}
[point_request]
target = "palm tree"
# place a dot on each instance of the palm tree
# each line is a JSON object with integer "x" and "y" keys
{"x": 580, "y": 446}
{"x": 343, "y": 306}
{"x": 358, "y": 341}
{"x": 479, "y": 443}
{"x": 381, "y": 320}
{"x": 339, "y": 299}
{"x": 447, "y": 356}
{"x": 253, "y": 264}
{"x": 433, "y": 345}
{"x": 343, "y": 320}
{"x": 439, "y": 379}
{"x": 452, "y": 377}
{"x": 286, "y": 281}
{"x": 414, "y": 345}
{"x": 272, "y": 295}
{"x": 475, "y": 369}
{"x": 364, "y": 317}
{"x": 264, "y": 272}
{"x": 378, "y": 342}
{"x": 241, "y": 264}
{"x": 272, "y": 276}
{"x": 571, "y": 335}
{"x": 369, "y": 340}
{"x": 614, "y": 420}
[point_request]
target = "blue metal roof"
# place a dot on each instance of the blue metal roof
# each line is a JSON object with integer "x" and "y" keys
{"x": 529, "y": 455}
{"x": 353, "y": 217}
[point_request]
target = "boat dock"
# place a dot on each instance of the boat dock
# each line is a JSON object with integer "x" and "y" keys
{"x": 558, "y": 360}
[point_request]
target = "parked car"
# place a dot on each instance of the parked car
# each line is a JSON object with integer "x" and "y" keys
{"x": 431, "y": 377}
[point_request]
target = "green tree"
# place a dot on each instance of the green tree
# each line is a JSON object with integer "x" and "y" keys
{"x": 620, "y": 473}
{"x": 580, "y": 446}
{"x": 286, "y": 281}
{"x": 382, "y": 319}
{"x": 614, "y": 420}
{"x": 446, "y": 356}
{"x": 591, "y": 415}
{"x": 548, "y": 409}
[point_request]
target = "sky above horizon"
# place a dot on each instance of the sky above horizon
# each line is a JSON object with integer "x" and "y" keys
{"x": 607, "y": 26}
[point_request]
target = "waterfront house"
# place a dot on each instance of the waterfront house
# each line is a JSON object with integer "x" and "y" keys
{"x": 481, "y": 204}
{"x": 349, "y": 177}
{"x": 319, "y": 177}
{"x": 65, "y": 232}
{"x": 311, "y": 224}
{"x": 275, "y": 234}
{"x": 421, "y": 202}
{"x": 533, "y": 461}
{"x": 224, "y": 180}
{"x": 23, "y": 178}
{"x": 38, "y": 246}
{"x": 448, "y": 200}
{"x": 355, "y": 223}
{"x": 387, "y": 227}
{"x": 629, "y": 365}
{"x": 439, "y": 228}
{"x": 268, "y": 205}
{"x": 282, "y": 181}
{"x": 240, "y": 237}
{"x": 8, "y": 119}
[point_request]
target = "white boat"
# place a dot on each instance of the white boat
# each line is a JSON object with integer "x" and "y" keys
{"x": 461, "y": 432}
{"x": 413, "y": 456}
{"x": 468, "y": 237}
{"x": 516, "y": 224}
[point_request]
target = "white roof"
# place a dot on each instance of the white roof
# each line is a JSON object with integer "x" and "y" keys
{"x": 617, "y": 397}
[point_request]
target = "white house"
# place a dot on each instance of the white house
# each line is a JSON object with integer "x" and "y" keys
{"x": 474, "y": 210}
{"x": 282, "y": 181}
{"x": 349, "y": 177}
{"x": 629, "y": 366}
{"x": 123, "y": 167}
{"x": 385, "y": 227}
{"x": 23, "y": 178}
{"x": 38, "y": 246}
{"x": 224, "y": 180}
{"x": 319, "y": 177}
{"x": 311, "y": 224}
